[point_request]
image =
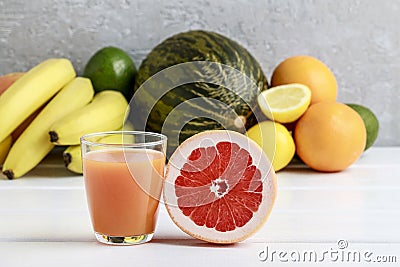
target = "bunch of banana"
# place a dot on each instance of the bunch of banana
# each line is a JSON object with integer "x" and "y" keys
{"x": 33, "y": 144}
{"x": 27, "y": 94}
{"x": 51, "y": 99}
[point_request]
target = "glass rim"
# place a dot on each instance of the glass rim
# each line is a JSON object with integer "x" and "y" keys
{"x": 163, "y": 139}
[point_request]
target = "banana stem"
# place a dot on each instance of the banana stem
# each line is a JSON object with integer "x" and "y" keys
{"x": 53, "y": 137}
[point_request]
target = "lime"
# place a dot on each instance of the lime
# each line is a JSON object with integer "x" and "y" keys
{"x": 275, "y": 140}
{"x": 285, "y": 103}
{"x": 111, "y": 68}
{"x": 370, "y": 121}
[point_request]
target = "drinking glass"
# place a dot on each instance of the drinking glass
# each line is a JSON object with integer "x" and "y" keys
{"x": 124, "y": 174}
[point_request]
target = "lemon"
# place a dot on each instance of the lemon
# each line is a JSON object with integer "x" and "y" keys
{"x": 285, "y": 103}
{"x": 275, "y": 140}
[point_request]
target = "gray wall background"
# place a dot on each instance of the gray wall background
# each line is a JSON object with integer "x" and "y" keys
{"x": 358, "y": 39}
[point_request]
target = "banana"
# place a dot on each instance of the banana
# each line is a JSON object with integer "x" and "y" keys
{"x": 21, "y": 128}
{"x": 128, "y": 126}
{"x": 73, "y": 159}
{"x": 5, "y": 146}
{"x": 119, "y": 139}
{"x": 31, "y": 91}
{"x": 33, "y": 144}
{"x": 72, "y": 155}
{"x": 105, "y": 113}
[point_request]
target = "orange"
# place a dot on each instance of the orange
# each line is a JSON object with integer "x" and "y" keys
{"x": 309, "y": 71}
{"x": 330, "y": 136}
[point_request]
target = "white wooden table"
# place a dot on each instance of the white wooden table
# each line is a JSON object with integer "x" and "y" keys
{"x": 44, "y": 222}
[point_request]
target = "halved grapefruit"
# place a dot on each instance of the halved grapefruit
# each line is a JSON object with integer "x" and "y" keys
{"x": 220, "y": 186}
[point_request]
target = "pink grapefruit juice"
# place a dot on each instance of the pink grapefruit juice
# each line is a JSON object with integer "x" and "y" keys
{"x": 123, "y": 188}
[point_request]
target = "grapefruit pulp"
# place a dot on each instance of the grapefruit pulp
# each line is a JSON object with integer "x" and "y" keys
{"x": 219, "y": 186}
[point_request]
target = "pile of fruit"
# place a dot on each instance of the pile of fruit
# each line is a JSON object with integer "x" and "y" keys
{"x": 305, "y": 118}
{"x": 49, "y": 106}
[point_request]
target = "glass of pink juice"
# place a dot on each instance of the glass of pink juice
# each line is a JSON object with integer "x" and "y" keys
{"x": 123, "y": 173}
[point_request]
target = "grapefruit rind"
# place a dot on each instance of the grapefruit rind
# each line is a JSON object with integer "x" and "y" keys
{"x": 260, "y": 160}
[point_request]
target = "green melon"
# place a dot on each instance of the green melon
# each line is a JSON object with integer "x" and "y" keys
{"x": 182, "y": 100}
